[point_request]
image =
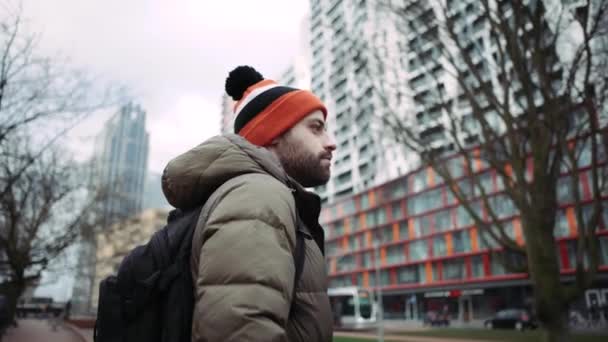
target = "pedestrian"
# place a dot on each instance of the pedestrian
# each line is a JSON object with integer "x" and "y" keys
{"x": 66, "y": 310}
{"x": 244, "y": 285}
{"x": 337, "y": 312}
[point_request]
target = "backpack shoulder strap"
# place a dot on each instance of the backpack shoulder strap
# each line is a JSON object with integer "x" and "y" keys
{"x": 299, "y": 257}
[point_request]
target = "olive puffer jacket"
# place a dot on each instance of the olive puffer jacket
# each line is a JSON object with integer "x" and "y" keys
{"x": 244, "y": 282}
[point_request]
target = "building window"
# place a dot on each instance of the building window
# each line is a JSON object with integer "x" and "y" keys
{"x": 477, "y": 266}
{"x": 584, "y": 153}
{"x": 346, "y": 263}
{"x": 502, "y": 206}
{"x": 564, "y": 190}
{"x": 461, "y": 241}
{"x": 364, "y": 201}
{"x": 366, "y": 260}
{"x": 419, "y": 250}
{"x": 348, "y": 207}
{"x": 419, "y": 181}
{"x": 384, "y": 235}
{"x": 464, "y": 219}
{"x": 486, "y": 241}
{"x": 404, "y": 231}
{"x": 465, "y": 188}
{"x": 425, "y": 202}
{"x": 385, "y": 278}
{"x": 453, "y": 269}
{"x": 370, "y": 219}
{"x": 354, "y": 242}
{"x": 339, "y": 228}
{"x": 572, "y": 248}
{"x": 422, "y": 225}
{"x": 443, "y": 221}
{"x": 398, "y": 189}
{"x": 496, "y": 266}
{"x": 355, "y": 223}
{"x": 456, "y": 167}
{"x": 486, "y": 183}
{"x": 331, "y": 247}
{"x": 422, "y": 273}
{"x": 380, "y": 215}
{"x": 561, "y": 225}
{"x": 408, "y": 275}
{"x": 436, "y": 274}
{"x": 397, "y": 212}
{"x": 395, "y": 255}
{"x": 439, "y": 246}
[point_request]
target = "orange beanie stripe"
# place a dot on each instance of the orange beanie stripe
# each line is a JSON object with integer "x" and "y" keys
{"x": 282, "y": 114}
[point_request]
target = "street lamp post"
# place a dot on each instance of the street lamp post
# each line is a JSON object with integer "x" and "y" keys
{"x": 379, "y": 292}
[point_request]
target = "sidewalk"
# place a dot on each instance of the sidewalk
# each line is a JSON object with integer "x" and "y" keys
{"x": 83, "y": 325}
{"x": 34, "y": 330}
{"x": 396, "y": 330}
{"x": 401, "y": 338}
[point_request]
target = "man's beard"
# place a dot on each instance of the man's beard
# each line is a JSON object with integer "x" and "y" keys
{"x": 303, "y": 166}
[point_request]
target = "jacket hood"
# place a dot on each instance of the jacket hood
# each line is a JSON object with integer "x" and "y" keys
{"x": 189, "y": 179}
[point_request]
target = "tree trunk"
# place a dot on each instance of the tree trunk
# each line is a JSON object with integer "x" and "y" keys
{"x": 544, "y": 267}
{"x": 13, "y": 289}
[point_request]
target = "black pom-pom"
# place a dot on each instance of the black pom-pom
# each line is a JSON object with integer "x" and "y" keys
{"x": 240, "y": 79}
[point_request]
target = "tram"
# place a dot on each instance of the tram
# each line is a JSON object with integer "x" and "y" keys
{"x": 353, "y": 308}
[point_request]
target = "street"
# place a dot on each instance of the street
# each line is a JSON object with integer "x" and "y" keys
{"x": 39, "y": 330}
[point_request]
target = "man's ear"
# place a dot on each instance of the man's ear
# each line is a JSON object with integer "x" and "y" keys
{"x": 274, "y": 142}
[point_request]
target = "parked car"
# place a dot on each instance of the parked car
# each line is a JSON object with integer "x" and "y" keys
{"x": 436, "y": 318}
{"x": 517, "y": 319}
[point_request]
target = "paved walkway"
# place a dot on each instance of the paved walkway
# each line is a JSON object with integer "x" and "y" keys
{"x": 34, "y": 330}
{"x": 401, "y": 338}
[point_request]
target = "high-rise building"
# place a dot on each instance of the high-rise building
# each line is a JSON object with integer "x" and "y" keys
{"x": 298, "y": 75}
{"x": 121, "y": 161}
{"x": 227, "y": 114}
{"x": 432, "y": 59}
{"x": 358, "y": 71}
{"x": 118, "y": 169}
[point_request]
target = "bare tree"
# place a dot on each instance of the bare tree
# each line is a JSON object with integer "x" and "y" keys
{"x": 517, "y": 88}
{"x": 41, "y": 215}
{"x": 46, "y": 200}
{"x": 41, "y": 93}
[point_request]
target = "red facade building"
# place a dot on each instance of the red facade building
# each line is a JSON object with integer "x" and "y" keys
{"x": 430, "y": 252}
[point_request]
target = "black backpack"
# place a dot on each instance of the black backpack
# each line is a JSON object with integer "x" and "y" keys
{"x": 151, "y": 298}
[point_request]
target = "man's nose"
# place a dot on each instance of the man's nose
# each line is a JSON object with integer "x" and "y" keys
{"x": 330, "y": 143}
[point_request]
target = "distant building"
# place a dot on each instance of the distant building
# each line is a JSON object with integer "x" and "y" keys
{"x": 429, "y": 252}
{"x": 227, "y": 114}
{"x": 298, "y": 73}
{"x": 119, "y": 168}
{"x": 114, "y": 244}
{"x": 357, "y": 69}
{"x": 121, "y": 160}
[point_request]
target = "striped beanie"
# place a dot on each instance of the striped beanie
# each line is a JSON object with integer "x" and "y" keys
{"x": 264, "y": 110}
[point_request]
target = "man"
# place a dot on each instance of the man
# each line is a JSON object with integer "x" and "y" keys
{"x": 244, "y": 283}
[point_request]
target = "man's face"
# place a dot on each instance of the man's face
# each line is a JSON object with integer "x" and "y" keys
{"x": 305, "y": 151}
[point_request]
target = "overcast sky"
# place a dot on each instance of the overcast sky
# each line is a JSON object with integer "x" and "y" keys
{"x": 173, "y": 54}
